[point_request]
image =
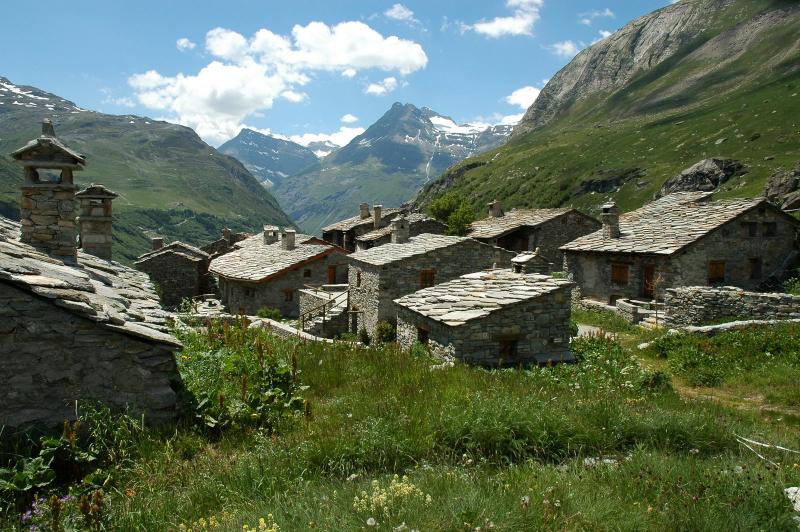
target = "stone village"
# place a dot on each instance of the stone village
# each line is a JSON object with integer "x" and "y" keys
{"x": 499, "y": 296}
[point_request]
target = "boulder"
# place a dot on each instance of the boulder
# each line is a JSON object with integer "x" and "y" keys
{"x": 783, "y": 188}
{"x": 704, "y": 176}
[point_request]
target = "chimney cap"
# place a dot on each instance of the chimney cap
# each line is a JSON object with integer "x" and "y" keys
{"x": 610, "y": 206}
{"x": 97, "y": 191}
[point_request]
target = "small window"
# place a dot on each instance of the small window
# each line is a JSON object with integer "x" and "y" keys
{"x": 770, "y": 229}
{"x": 751, "y": 228}
{"x": 358, "y": 278}
{"x": 508, "y": 350}
{"x": 755, "y": 268}
{"x": 288, "y": 295}
{"x": 423, "y": 336}
{"x": 619, "y": 273}
{"x": 427, "y": 278}
{"x": 716, "y": 272}
{"x": 306, "y": 273}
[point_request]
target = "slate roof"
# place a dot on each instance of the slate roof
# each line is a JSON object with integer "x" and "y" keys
{"x": 377, "y": 234}
{"x": 667, "y": 225}
{"x": 477, "y": 295}
{"x": 492, "y": 227}
{"x": 355, "y": 221}
{"x": 114, "y": 296}
{"x": 48, "y": 141}
{"x": 253, "y": 261}
{"x": 416, "y": 245}
{"x": 179, "y": 248}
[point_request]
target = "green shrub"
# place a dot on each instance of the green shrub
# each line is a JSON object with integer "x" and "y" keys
{"x": 459, "y": 221}
{"x": 792, "y": 286}
{"x": 420, "y": 350}
{"x": 442, "y": 207}
{"x": 385, "y": 333}
{"x": 269, "y": 313}
{"x": 363, "y": 336}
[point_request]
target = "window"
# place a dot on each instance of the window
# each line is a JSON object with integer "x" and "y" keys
{"x": 306, "y": 273}
{"x": 770, "y": 229}
{"x": 508, "y": 351}
{"x": 288, "y": 295}
{"x": 716, "y": 272}
{"x": 751, "y": 228}
{"x": 427, "y": 278}
{"x": 755, "y": 268}
{"x": 358, "y": 278}
{"x": 619, "y": 273}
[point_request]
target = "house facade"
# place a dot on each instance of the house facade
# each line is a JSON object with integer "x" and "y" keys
{"x": 682, "y": 239}
{"x": 495, "y": 318}
{"x": 380, "y": 275}
{"x": 345, "y": 232}
{"x": 180, "y": 271}
{"x": 531, "y": 229}
{"x": 268, "y": 269}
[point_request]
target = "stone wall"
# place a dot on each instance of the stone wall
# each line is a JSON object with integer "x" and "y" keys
{"x": 700, "y": 305}
{"x": 540, "y": 327}
{"x": 373, "y": 297}
{"x": 247, "y": 298}
{"x": 177, "y": 276}
{"x": 47, "y": 215}
{"x": 731, "y": 243}
{"x": 51, "y": 358}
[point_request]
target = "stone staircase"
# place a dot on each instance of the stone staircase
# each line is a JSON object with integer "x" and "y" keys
{"x": 334, "y": 321}
{"x": 650, "y": 321}
{"x": 327, "y": 312}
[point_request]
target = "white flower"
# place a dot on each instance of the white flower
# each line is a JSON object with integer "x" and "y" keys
{"x": 372, "y": 522}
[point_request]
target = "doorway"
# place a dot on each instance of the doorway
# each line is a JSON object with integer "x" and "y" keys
{"x": 331, "y": 274}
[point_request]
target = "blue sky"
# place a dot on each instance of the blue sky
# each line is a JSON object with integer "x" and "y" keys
{"x": 305, "y": 69}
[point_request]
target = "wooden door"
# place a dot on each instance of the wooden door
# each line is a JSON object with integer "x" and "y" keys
{"x": 649, "y": 276}
{"x": 331, "y": 274}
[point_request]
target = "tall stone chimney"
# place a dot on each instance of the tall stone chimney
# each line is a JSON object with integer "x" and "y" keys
{"x": 495, "y": 209}
{"x": 400, "y": 230}
{"x": 96, "y": 220}
{"x": 47, "y": 210}
{"x": 226, "y": 234}
{"x": 610, "y": 219}
{"x": 376, "y": 213}
{"x": 287, "y": 239}
{"x": 157, "y": 243}
{"x": 364, "y": 211}
{"x": 270, "y": 234}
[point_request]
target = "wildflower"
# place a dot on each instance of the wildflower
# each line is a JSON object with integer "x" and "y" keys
{"x": 372, "y": 522}
{"x": 525, "y": 501}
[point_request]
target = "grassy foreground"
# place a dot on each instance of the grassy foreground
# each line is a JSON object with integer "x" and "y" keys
{"x": 290, "y": 436}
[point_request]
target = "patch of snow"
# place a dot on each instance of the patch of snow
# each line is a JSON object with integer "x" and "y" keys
{"x": 16, "y": 90}
{"x": 446, "y": 125}
{"x": 322, "y": 153}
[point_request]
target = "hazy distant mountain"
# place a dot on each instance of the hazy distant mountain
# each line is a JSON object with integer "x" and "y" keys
{"x": 170, "y": 183}
{"x": 268, "y": 158}
{"x": 388, "y": 163}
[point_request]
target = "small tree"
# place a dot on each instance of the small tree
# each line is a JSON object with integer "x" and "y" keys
{"x": 441, "y": 208}
{"x": 459, "y": 220}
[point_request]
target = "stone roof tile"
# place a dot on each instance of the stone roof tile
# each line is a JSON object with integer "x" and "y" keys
{"x": 416, "y": 245}
{"x": 377, "y": 234}
{"x": 355, "y": 221}
{"x": 493, "y": 227}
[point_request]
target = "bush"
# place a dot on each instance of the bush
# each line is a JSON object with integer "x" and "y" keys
{"x": 385, "y": 333}
{"x": 442, "y": 207}
{"x": 269, "y": 313}
{"x": 459, "y": 221}
{"x": 455, "y": 211}
{"x": 363, "y": 336}
{"x": 792, "y": 286}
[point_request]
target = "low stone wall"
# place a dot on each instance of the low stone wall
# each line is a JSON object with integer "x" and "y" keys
{"x": 698, "y": 305}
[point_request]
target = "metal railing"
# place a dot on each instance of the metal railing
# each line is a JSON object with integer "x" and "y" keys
{"x": 322, "y": 310}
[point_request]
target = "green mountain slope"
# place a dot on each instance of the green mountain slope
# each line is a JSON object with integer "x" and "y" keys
{"x": 169, "y": 181}
{"x": 697, "y": 79}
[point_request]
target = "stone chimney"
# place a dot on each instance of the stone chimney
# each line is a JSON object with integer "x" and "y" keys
{"x": 376, "y": 213}
{"x": 610, "y": 219}
{"x": 287, "y": 239}
{"x": 47, "y": 210}
{"x": 157, "y": 243}
{"x": 495, "y": 209}
{"x": 96, "y": 221}
{"x": 400, "y": 230}
{"x": 226, "y": 234}
{"x": 364, "y": 211}
{"x": 270, "y": 234}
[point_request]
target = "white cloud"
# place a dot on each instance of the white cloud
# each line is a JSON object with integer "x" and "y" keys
{"x": 525, "y": 14}
{"x": 339, "y": 138}
{"x": 184, "y": 44}
{"x": 603, "y": 35}
{"x": 246, "y": 76}
{"x": 400, "y": 12}
{"x": 523, "y": 97}
{"x": 564, "y": 48}
{"x": 380, "y": 88}
{"x": 349, "y": 119}
{"x": 587, "y": 18}
{"x": 511, "y": 120}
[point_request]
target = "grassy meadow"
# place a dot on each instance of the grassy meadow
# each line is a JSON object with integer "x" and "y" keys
{"x": 282, "y": 435}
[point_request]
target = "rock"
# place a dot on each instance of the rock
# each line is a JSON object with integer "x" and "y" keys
{"x": 705, "y": 176}
{"x": 720, "y": 141}
{"x": 783, "y": 188}
{"x": 793, "y": 494}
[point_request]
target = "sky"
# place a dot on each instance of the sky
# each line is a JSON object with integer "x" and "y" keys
{"x": 307, "y": 70}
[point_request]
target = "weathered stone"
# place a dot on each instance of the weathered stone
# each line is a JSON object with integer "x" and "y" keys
{"x": 704, "y": 176}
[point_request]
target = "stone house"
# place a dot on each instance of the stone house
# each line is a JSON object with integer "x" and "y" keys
{"x": 345, "y": 232}
{"x": 682, "y": 239}
{"x": 268, "y": 269}
{"x": 491, "y": 318}
{"x": 227, "y": 242}
{"x": 180, "y": 271}
{"x": 532, "y": 262}
{"x": 380, "y": 275}
{"x": 418, "y": 223}
{"x": 530, "y": 229}
{"x": 74, "y": 327}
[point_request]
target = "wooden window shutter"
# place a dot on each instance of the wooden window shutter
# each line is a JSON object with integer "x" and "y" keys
{"x": 716, "y": 272}
{"x": 619, "y": 273}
